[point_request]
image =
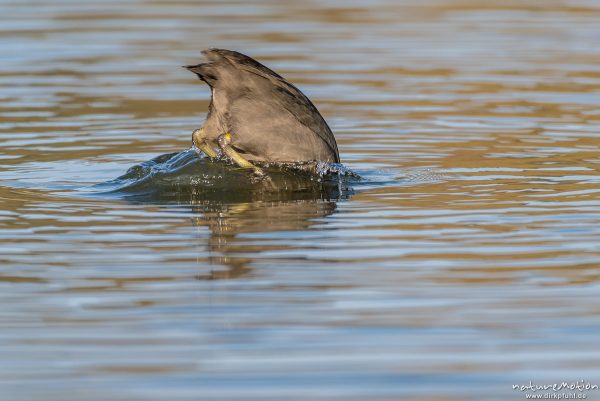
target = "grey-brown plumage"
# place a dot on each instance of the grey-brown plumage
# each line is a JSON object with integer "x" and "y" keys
{"x": 268, "y": 119}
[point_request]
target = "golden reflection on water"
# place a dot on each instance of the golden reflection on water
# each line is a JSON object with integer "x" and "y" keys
{"x": 467, "y": 259}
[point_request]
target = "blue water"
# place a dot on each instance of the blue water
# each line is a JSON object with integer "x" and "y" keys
{"x": 452, "y": 256}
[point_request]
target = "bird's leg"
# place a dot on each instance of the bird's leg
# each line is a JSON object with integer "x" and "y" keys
{"x": 225, "y": 144}
{"x": 199, "y": 140}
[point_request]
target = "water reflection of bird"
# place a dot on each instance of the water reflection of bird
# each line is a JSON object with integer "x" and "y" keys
{"x": 255, "y": 115}
{"x": 228, "y": 221}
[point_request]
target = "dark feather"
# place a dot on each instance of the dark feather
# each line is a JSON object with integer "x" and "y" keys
{"x": 237, "y": 78}
{"x": 286, "y": 94}
{"x": 203, "y": 71}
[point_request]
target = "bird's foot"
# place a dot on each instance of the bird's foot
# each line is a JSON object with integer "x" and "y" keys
{"x": 225, "y": 144}
{"x": 200, "y": 143}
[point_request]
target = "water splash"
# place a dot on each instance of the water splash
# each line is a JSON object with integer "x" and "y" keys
{"x": 186, "y": 176}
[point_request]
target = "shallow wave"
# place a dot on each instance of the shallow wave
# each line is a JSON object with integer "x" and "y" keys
{"x": 186, "y": 176}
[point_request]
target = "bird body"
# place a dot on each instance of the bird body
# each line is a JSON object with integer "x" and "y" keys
{"x": 267, "y": 119}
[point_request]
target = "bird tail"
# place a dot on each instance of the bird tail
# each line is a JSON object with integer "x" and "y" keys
{"x": 204, "y": 71}
{"x": 196, "y": 69}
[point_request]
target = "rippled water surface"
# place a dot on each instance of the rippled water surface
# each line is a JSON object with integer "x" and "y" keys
{"x": 465, "y": 260}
